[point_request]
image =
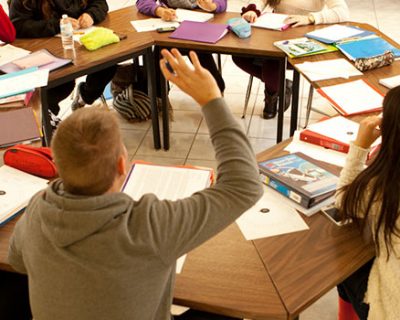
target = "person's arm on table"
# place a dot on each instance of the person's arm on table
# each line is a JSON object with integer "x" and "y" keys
{"x": 97, "y": 11}
{"x": 176, "y": 227}
{"x": 335, "y": 11}
{"x": 7, "y": 31}
{"x": 216, "y": 6}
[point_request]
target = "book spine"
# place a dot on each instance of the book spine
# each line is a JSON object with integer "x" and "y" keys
{"x": 285, "y": 190}
{"x": 323, "y": 143}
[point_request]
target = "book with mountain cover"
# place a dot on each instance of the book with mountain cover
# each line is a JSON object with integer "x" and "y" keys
{"x": 300, "y": 178}
{"x": 301, "y": 47}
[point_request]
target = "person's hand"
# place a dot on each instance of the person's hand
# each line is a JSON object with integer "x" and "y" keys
{"x": 85, "y": 20}
{"x": 207, "y": 5}
{"x": 368, "y": 132}
{"x": 74, "y": 22}
{"x": 166, "y": 14}
{"x": 297, "y": 21}
{"x": 250, "y": 16}
{"x": 197, "y": 82}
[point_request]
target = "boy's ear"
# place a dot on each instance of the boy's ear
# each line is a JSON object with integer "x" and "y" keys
{"x": 122, "y": 165}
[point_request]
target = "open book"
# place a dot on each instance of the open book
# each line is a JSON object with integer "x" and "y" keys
{"x": 16, "y": 189}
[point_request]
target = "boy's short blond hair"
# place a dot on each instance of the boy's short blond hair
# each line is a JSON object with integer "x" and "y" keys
{"x": 86, "y": 148}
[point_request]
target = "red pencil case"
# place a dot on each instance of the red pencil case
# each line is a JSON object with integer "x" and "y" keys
{"x": 34, "y": 160}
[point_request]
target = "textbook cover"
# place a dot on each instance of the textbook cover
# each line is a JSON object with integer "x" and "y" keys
{"x": 301, "y": 47}
{"x": 300, "y": 178}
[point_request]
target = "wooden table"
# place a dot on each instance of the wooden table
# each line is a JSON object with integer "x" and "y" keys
{"x": 86, "y": 62}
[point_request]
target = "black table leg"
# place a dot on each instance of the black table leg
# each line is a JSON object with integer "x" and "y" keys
{"x": 152, "y": 92}
{"x": 47, "y": 130}
{"x": 281, "y": 106}
{"x": 165, "y": 114}
{"x": 295, "y": 102}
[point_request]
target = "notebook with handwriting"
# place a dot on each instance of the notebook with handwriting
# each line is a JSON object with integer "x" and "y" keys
{"x": 200, "y": 31}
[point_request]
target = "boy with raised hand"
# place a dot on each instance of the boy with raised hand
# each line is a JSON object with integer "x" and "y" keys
{"x": 89, "y": 250}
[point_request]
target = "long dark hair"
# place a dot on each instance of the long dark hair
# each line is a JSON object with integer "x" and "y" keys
{"x": 46, "y": 6}
{"x": 379, "y": 184}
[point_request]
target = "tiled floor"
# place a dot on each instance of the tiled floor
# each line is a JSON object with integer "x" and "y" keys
{"x": 189, "y": 136}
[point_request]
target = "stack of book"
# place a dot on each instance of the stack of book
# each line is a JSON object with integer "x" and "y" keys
{"x": 306, "y": 181}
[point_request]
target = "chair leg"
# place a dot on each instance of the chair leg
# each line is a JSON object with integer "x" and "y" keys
{"x": 309, "y": 104}
{"x": 248, "y": 92}
{"x": 219, "y": 63}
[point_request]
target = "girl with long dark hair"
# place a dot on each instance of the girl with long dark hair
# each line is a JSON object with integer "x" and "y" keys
{"x": 370, "y": 197}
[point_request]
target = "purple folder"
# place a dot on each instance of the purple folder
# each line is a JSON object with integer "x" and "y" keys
{"x": 200, "y": 31}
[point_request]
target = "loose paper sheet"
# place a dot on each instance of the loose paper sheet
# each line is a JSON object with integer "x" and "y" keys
{"x": 328, "y": 69}
{"x": 9, "y": 53}
{"x": 270, "y": 217}
{"x": 271, "y": 20}
{"x": 152, "y": 24}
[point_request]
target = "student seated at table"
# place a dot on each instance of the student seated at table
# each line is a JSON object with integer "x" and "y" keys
{"x": 91, "y": 251}
{"x": 7, "y": 31}
{"x": 301, "y": 12}
{"x": 36, "y": 19}
{"x": 370, "y": 197}
{"x": 165, "y": 9}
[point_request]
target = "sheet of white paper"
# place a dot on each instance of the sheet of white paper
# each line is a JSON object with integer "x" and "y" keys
{"x": 9, "y": 53}
{"x": 328, "y": 69}
{"x": 24, "y": 82}
{"x": 390, "y": 82}
{"x": 271, "y": 21}
{"x": 152, "y": 24}
{"x": 280, "y": 218}
{"x": 179, "y": 263}
{"x": 316, "y": 152}
{"x": 18, "y": 187}
{"x": 178, "y": 310}
{"x": 165, "y": 182}
{"x": 191, "y": 15}
{"x": 354, "y": 97}
{"x": 336, "y": 32}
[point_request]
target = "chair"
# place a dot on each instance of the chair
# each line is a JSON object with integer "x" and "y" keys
{"x": 309, "y": 101}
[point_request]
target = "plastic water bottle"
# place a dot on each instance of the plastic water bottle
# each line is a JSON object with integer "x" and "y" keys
{"x": 66, "y": 32}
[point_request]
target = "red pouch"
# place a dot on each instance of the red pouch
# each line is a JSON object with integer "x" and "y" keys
{"x": 34, "y": 160}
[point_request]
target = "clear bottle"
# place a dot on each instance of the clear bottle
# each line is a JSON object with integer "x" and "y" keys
{"x": 66, "y": 32}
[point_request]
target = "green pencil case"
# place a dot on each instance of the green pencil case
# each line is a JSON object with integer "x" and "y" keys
{"x": 98, "y": 38}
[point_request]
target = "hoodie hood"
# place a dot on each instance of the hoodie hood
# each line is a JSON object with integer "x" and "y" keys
{"x": 67, "y": 219}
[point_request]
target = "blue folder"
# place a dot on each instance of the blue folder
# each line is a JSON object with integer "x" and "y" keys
{"x": 363, "y": 33}
{"x": 366, "y": 48}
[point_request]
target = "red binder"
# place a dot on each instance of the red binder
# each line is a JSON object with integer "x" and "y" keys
{"x": 323, "y": 141}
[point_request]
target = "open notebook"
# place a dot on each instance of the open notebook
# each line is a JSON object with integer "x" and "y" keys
{"x": 16, "y": 189}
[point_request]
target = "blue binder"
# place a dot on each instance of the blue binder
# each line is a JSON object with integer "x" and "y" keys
{"x": 363, "y": 33}
{"x": 366, "y": 48}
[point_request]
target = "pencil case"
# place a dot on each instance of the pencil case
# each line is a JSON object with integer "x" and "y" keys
{"x": 364, "y": 64}
{"x": 98, "y": 38}
{"x": 34, "y": 160}
{"x": 240, "y": 27}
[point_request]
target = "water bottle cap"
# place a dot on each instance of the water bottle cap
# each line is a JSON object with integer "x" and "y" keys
{"x": 64, "y": 16}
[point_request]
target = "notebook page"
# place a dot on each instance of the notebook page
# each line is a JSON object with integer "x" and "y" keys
{"x": 271, "y": 21}
{"x": 328, "y": 69}
{"x": 354, "y": 97}
{"x": 9, "y": 53}
{"x": 191, "y": 15}
{"x": 165, "y": 182}
{"x": 152, "y": 24}
{"x": 17, "y": 187}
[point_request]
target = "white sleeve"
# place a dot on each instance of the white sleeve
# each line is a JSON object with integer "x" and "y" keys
{"x": 334, "y": 11}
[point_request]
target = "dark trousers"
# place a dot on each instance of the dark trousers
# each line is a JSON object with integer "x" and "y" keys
{"x": 208, "y": 62}
{"x": 200, "y": 315}
{"x": 14, "y": 296}
{"x": 353, "y": 290}
{"x": 267, "y": 70}
{"x": 91, "y": 89}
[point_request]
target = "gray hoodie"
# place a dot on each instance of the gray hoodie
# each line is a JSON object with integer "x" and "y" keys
{"x": 109, "y": 257}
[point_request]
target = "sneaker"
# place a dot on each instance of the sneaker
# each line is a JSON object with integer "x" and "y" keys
{"x": 78, "y": 102}
{"x": 54, "y": 120}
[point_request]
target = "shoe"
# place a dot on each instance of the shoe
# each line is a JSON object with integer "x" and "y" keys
{"x": 54, "y": 120}
{"x": 271, "y": 101}
{"x": 78, "y": 102}
{"x": 270, "y": 105}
